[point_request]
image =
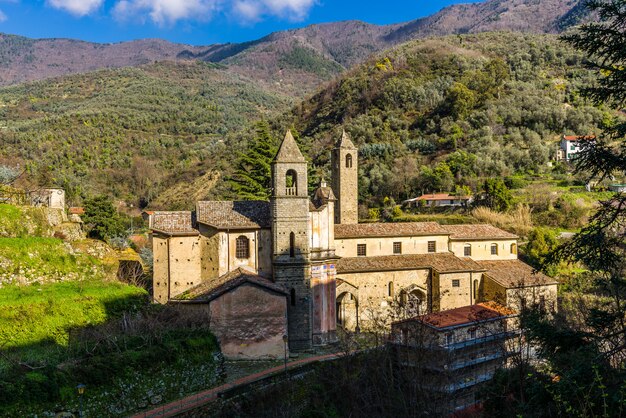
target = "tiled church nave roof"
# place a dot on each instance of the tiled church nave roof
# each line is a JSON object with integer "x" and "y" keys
{"x": 476, "y": 232}
{"x": 442, "y": 262}
{"x": 514, "y": 274}
{"x": 174, "y": 223}
{"x": 400, "y": 229}
{"x": 211, "y": 289}
{"x": 233, "y": 215}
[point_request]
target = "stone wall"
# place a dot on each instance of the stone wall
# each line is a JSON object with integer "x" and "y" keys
{"x": 380, "y": 246}
{"x": 481, "y": 249}
{"x": 249, "y": 322}
{"x": 177, "y": 265}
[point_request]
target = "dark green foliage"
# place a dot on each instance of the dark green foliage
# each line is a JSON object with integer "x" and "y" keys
{"x": 253, "y": 171}
{"x": 101, "y": 218}
{"x": 130, "y": 133}
{"x": 541, "y": 242}
{"x": 497, "y": 196}
{"x": 307, "y": 59}
{"x": 503, "y": 99}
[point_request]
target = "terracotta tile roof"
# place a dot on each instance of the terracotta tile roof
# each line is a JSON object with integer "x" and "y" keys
{"x": 322, "y": 195}
{"x": 579, "y": 137}
{"x": 289, "y": 152}
{"x": 210, "y": 290}
{"x": 76, "y": 210}
{"x": 514, "y": 274}
{"x": 174, "y": 223}
{"x": 235, "y": 215}
{"x": 400, "y": 229}
{"x": 442, "y": 262}
{"x": 470, "y": 232}
{"x": 464, "y": 315}
{"x": 441, "y": 196}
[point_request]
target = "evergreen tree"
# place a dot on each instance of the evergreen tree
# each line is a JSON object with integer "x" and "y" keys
{"x": 497, "y": 195}
{"x": 101, "y": 218}
{"x": 253, "y": 171}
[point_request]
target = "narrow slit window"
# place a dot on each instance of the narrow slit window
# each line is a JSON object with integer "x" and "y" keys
{"x": 349, "y": 161}
{"x": 292, "y": 245}
{"x": 292, "y": 295}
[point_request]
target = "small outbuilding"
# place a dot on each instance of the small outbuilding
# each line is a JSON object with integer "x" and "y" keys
{"x": 247, "y": 314}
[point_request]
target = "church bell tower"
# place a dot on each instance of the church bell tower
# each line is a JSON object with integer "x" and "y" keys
{"x": 290, "y": 238}
{"x": 345, "y": 173}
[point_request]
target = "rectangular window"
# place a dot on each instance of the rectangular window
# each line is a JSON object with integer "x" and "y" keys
{"x": 494, "y": 249}
{"x": 472, "y": 333}
{"x": 449, "y": 338}
{"x": 361, "y": 250}
{"x": 397, "y": 248}
{"x": 432, "y": 246}
{"x": 456, "y": 283}
{"x": 467, "y": 251}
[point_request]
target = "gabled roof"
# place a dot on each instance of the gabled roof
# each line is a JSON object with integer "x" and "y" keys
{"x": 345, "y": 141}
{"x": 464, "y": 315}
{"x": 477, "y": 232}
{"x": 576, "y": 138}
{"x": 513, "y": 274}
{"x": 234, "y": 215}
{"x": 175, "y": 223}
{"x": 212, "y": 289}
{"x": 289, "y": 152}
{"x": 399, "y": 229}
{"x": 441, "y": 262}
{"x": 442, "y": 196}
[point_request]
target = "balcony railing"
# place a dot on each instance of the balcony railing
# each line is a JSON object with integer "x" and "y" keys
{"x": 291, "y": 191}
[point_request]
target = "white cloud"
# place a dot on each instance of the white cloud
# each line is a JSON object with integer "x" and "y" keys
{"x": 77, "y": 7}
{"x": 3, "y": 17}
{"x": 288, "y": 9}
{"x": 167, "y": 12}
{"x": 164, "y": 12}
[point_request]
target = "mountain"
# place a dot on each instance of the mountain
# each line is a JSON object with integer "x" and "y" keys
{"x": 433, "y": 114}
{"x": 129, "y": 132}
{"x": 294, "y": 61}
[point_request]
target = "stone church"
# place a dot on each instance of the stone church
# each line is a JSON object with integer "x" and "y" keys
{"x": 300, "y": 266}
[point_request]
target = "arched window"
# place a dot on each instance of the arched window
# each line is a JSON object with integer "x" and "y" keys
{"x": 494, "y": 249}
{"x": 292, "y": 295}
{"x": 291, "y": 183}
{"x": 475, "y": 290}
{"x": 467, "y": 250}
{"x": 513, "y": 248}
{"x": 242, "y": 247}
{"x": 390, "y": 289}
{"x": 292, "y": 245}
{"x": 349, "y": 161}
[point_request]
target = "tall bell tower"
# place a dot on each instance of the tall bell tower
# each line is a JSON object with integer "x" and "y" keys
{"x": 345, "y": 173}
{"x": 290, "y": 238}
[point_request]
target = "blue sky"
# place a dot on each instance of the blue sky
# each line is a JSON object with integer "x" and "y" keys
{"x": 196, "y": 22}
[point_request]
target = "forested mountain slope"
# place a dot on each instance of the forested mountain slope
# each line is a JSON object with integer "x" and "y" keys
{"x": 128, "y": 132}
{"x": 432, "y": 114}
{"x": 293, "y": 61}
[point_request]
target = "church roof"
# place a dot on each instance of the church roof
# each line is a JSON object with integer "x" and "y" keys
{"x": 234, "y": 215}
{"x": 322, "y": 195}
{"x": 513, "y": 274}
{"x": 477, "y": 232}
{"x": 345, "y": 141}
{"x": 211, "y": 289}
{"x": 442, "y": 262}
{"x": 174, "y": 223}
{"x": 465, "y": 315}
{"x": 289, "y": 152}
{"x": 399, "y": 229}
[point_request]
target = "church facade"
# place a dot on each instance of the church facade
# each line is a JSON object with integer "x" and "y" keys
{"x": 332, "y": 270}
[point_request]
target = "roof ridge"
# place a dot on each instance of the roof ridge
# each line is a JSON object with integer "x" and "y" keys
{"x": 289, "y": 150}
